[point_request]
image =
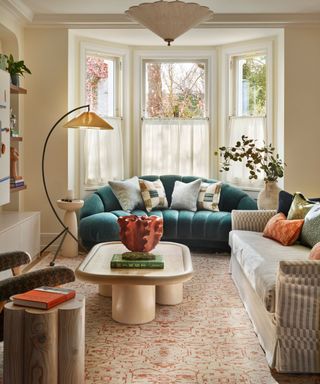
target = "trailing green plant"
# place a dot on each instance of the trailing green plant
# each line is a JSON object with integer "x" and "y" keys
{"x": 258, "y": 159}
{"x": 16, "y": 67}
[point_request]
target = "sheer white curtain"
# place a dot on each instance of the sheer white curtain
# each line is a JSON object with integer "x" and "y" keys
{"x": 103, "y": 154}
{"x": 175, "y": 146}
{"x": 254, "y": 128}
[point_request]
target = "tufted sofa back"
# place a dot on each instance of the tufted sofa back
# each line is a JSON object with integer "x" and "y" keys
{"x": 103, "y": 200}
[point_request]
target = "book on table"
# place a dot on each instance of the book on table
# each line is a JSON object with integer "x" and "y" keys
{"x": 43, "y": 297}
{"x": 118, "y": 261}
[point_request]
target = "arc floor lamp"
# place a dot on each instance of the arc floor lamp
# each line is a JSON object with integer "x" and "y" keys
{"x": 89, "y": 120}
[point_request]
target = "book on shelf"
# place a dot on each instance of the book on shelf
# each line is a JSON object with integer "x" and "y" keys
{"x": 16, "y": 182}
{"x": 118, "y": 261}
{"x": 43, "y": 297}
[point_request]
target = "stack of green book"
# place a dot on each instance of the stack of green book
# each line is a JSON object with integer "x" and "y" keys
{"x": 118, "y": 261}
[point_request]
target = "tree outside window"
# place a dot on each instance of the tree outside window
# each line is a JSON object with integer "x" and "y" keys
{"x": 175, "y": 90}
{"x": 251, "y": 90}
{"x": 99, "y": 85}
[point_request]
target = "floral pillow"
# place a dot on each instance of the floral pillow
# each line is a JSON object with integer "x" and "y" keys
{"x": 282, "y": 230}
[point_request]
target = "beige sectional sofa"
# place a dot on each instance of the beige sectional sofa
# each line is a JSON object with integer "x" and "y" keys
{"x": 280, "y": 289}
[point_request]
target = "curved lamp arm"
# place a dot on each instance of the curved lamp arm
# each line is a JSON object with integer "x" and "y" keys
{"x": 43, "y": 164}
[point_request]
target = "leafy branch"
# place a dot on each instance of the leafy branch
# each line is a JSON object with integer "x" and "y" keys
{"x": 258, "y": 159}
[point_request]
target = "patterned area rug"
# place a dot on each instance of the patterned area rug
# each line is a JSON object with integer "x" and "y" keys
{"x": 208, "y": 339}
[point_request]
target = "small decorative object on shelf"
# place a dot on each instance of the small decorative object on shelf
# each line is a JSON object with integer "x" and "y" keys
{"x": 257, "y": 159}
{"x": 15, "y": 68}
{"x": 13, "y": 124}
{"x": 140, "y": 233}
{"x": 15, "y": 180}
{"x": 118, "y": 261}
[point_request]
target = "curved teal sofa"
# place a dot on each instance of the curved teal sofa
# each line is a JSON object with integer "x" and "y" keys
{"x": 201, "y": 229}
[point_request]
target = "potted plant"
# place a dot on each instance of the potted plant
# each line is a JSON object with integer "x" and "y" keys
{"x": 16, "y": 69}
{"x": 257, "y": 159}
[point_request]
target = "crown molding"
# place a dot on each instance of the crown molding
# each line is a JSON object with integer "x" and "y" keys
{"x": 222, "y": 20}
{"x": 18, "y": 9}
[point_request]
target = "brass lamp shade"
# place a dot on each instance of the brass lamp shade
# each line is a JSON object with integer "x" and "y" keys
{"x": 169, "y": 19}
{"x": 88, "y": 120}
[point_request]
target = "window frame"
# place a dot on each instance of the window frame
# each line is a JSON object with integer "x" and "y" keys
{"x": 121, "y": 104}
{"x": 175, "y": 55}
{"x": 227, "y": 102}
{"x": 172, "y": 60}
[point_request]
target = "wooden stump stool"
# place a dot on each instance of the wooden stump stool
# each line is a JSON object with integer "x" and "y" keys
{"x": 45, "y": 347}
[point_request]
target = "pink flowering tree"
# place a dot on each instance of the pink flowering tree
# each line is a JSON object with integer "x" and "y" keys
{"x": 96, "y": 70}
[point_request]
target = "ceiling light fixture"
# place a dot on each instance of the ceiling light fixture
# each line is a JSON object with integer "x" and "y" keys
{"x": 169, "y": 19}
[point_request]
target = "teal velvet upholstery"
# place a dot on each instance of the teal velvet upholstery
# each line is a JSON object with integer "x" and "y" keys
{"x": 201, "y": 229}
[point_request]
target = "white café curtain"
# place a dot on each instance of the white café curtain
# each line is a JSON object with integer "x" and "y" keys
{"x": 254, "y": 128}
{"x": 175, "y": 146}
{"x": 103, "y": 154}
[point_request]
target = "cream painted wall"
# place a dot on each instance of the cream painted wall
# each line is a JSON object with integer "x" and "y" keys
{"x": 46, "y": 52}
{"x": 301, "y": 110}
{"x": 12, "y": 41}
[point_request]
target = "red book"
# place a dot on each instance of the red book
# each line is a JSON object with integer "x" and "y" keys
{"x": 43, "y": 297}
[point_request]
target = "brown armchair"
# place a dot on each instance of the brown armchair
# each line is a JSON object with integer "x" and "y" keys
{"x": 51, "y": 276}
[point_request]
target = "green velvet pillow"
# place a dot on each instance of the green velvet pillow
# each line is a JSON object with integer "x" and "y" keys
{"x": 300, "y": 206}
{"x": 310, "y": 234}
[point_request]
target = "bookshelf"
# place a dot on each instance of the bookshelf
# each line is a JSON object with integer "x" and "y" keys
{"x": 15, "y": 140}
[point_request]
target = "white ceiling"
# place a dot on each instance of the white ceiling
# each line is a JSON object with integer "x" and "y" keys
{"x": 218, "y": 6}
{"x": 233, "y": 21}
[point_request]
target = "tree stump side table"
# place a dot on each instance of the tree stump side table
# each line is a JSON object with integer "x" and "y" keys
{"x": 45, "y": 346}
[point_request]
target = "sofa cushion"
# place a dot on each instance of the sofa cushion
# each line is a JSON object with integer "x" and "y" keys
{"x": 282, "y": 230}
{"x": 185, "y": 195}
{"x": 153, "y": 194}
{"x": 285, "y": 201}
{"x": 310, "y": 234}
{"x": 315, "y": 252}
{"x": 209, "y": 196}
{"x": 128, "y": 193}
{"x": 259, "y": 259}
{"x": 300, "y": 207}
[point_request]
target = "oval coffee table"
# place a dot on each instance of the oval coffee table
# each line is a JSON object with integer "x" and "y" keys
{"x": 136, "y": 291}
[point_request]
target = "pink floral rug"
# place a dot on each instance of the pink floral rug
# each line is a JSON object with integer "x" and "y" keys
{"x": 208, "y": 339}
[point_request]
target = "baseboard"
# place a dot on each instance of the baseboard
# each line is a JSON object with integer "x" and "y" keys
{"x": 46, "y": 238}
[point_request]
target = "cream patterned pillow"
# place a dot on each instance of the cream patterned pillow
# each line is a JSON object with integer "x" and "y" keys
{"x": 153, "y": 194}
{"x": 209, "y": 196}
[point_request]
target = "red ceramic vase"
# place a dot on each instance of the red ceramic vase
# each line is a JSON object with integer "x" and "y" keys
{"x": 140, "y": 233}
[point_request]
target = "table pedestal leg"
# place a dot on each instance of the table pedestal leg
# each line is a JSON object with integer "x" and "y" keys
{"x": 70, "y": 246}
{"x": 133, "y": 304}
{"x": 170, "y": 294}
{"x": 105, "y": 290}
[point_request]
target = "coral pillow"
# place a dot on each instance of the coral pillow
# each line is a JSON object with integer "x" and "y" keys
{"x": 315, "y": 252}
{"x": 280, "y": 229}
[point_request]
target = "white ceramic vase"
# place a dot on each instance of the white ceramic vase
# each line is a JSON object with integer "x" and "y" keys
{"x": 268, "y": 197}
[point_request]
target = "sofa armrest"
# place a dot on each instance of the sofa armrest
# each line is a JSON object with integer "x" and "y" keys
{"x": 13, "y": 259}
{"x": 92, "y": 205}
{"x": 254, "y": 220}
{"x": 297, "y": 316}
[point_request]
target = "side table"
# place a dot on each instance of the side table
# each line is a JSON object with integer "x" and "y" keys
{"x": 69, "y": 247}
{"x": 46, "y": 346}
